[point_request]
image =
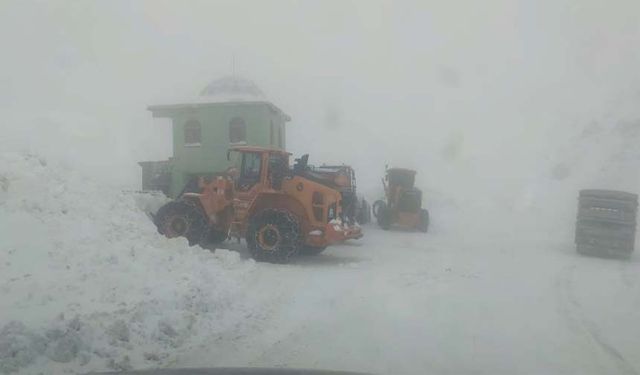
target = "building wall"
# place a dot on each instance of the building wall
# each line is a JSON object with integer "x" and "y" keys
{"x": 211, "y": 155}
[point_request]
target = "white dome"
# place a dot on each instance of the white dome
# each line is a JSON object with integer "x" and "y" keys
{"x": 232, "y": 88}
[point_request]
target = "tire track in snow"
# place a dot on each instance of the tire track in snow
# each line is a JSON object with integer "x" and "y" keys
{"x": 626, "y": 275}
{"x": 571, "y": 309}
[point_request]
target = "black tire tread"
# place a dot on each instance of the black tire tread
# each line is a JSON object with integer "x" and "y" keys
{"x": 289, "y": 228}
{"x": 194, "y": 215}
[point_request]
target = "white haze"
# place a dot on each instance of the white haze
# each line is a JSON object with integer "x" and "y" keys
{"x": 485, "y": 99}
{"x": 479, "y": 97}
{"x": 367, "y": 83}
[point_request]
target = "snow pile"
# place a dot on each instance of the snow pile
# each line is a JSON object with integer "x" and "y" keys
{"x": 87, "y": 284}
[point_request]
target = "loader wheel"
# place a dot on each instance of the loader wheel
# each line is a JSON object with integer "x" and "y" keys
{"x": 312, "y": 250}
{"x": 273, "y": 236}
{"x": 376, "y": 207}
{"x": 423, "y": 225}
{"x": 384, "y": 216}
{"x": 182, "y": 219}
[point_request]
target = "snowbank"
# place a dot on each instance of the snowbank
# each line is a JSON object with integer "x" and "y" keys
{"x": 87, "y": 284}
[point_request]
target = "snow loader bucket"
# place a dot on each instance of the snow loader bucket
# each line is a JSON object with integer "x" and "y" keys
{"x": 337, "y": 231}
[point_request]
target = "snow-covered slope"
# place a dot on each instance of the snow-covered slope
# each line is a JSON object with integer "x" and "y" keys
{"x": 87, "y": 283}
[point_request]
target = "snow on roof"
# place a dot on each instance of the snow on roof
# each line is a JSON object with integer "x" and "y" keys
{"x": 225, "y": 90}
{"x": 231, "y": 88}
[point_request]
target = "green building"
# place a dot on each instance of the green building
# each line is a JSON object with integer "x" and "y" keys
{"x": 229, "y": 111}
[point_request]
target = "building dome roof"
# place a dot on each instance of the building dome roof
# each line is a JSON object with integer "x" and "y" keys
{"x": 225, "y": 90}
{"x": 232, "y": 88}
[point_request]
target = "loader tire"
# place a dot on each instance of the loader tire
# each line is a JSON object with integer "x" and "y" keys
{"x": 182, "y": 218}
{"x": 312, "y": 250}
{"x": 273, "y": 236}
{"x": 384, "y": 217}
{"x": 375, "y": 209}
{"x": 423, "y": 225}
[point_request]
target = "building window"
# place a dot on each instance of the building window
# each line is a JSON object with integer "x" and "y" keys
{"x": 192, "y": 133}
{"x": 281, "y": 136}
{"x": 237, "y": 130}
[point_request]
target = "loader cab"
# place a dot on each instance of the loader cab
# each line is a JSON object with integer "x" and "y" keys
{"x": 250, "y": 171}
{"x": 277, "y": 169}
{"x": 403, "y": 204}
{"x": 260, "y": 166}
{"x": 402, "y": 194}
{"x": 400, "y": 177}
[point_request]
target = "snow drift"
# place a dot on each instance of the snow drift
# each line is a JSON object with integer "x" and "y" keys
{"x": 87, "y": 284}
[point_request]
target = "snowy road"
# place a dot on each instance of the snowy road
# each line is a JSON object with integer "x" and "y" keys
{"x": 399, "y": 302}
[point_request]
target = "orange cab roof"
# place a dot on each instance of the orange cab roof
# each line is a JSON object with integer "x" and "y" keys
{"x": 401, "y": 170}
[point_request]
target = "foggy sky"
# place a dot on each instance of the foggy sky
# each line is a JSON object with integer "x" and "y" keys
{"x": 463, "y": 91}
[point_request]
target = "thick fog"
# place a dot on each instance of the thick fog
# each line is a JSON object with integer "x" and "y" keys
{"x": 490, "y": 102}
{"x": 506, "y": 109}
{"x": 480, "y": 93}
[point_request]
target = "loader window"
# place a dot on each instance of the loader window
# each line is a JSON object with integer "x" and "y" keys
{"x": 250, "y": 171}
{"x": 278, "y": 169}
{"x": 399, "y": 178}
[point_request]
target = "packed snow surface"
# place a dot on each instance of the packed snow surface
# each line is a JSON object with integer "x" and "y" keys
{"x": 87, "y": 284}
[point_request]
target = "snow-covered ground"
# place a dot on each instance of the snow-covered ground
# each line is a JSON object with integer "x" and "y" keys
{"x": 490, "y": 302}
{"x": 87, "y": 284}
{"x": 409, "y": 303}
